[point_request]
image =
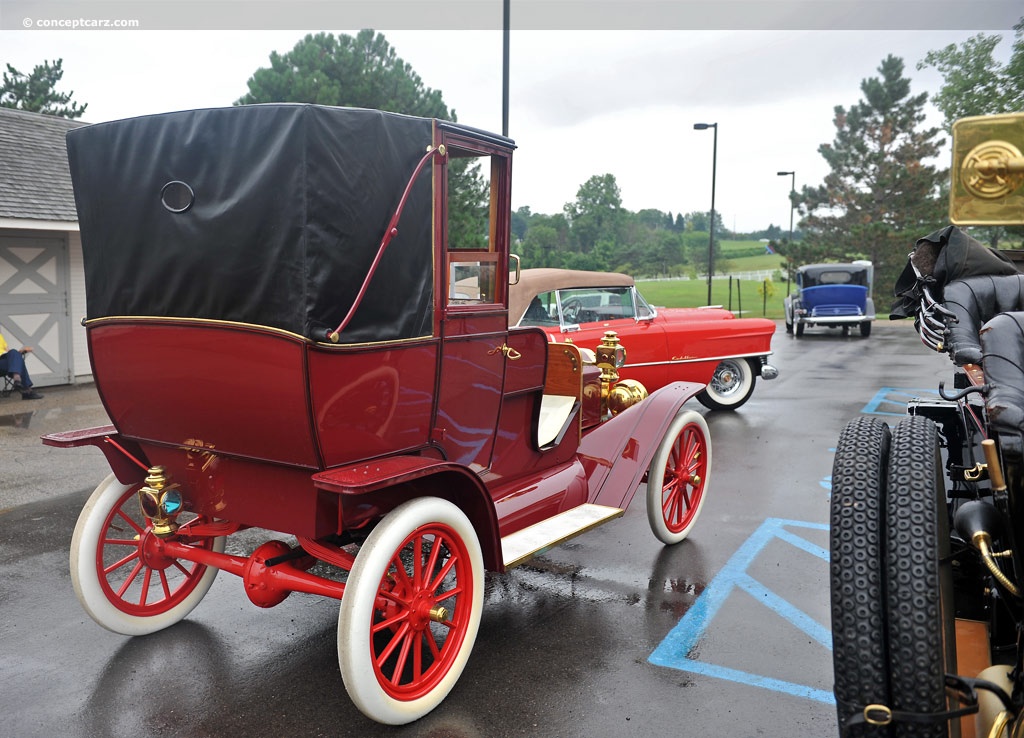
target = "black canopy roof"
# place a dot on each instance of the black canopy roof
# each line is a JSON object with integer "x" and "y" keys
{"x": 811, "y": 274}
{"x": 262, "y": 214}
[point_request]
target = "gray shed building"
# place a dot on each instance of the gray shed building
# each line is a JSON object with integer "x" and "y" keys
{"x": 42, "y": 280}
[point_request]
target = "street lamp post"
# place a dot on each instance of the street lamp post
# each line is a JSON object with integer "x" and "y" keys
{"x": 504, "y": 68}
{"x": 792, "y": 189}
{"x": 711, "y": 235}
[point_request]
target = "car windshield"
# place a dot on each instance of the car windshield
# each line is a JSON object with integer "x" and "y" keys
{"x": 585, "y": 305}
{"x": 595, "y": 304}
{"x": 817, "y": 277}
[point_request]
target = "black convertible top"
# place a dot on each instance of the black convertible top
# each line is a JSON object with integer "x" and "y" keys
{"x": 261, "y": 214}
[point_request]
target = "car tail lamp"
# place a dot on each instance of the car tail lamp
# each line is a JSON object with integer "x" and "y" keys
{"x": 160, "y": 502}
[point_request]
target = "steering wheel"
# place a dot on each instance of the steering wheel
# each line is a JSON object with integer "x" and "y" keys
{"x": 571, "y": 310}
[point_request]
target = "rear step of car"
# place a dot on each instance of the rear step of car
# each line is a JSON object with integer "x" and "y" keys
{"x": 538, "y": 538}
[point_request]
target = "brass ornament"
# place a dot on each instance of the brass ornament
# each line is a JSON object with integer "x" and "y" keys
{"x": 992, "y": 170}
{"x": 160, "y": 502}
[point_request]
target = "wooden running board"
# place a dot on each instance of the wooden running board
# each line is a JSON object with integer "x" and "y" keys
{"x": 539, "y": 537}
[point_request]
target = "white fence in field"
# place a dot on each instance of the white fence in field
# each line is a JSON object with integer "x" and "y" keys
{"x": 758, "y": 276}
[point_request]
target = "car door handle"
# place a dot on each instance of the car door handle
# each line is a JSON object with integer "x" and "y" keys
{"x": 507, "y": 350}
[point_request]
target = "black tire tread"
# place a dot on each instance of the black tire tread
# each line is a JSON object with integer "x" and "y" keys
{"x": 859, "y": 654}
{"x": 915, "y": 534}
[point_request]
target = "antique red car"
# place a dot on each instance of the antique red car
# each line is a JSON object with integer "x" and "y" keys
{"x": 707, "y": 345}
{"x": 293, "y": 327}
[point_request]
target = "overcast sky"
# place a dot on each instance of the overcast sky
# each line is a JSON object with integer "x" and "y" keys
{"x": 582, "y": 103}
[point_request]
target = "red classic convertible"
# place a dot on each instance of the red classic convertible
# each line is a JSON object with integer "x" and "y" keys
{"x": 708, "y": 345}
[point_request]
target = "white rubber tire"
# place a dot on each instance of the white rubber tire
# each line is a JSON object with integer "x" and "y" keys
{"x": 686, "y": 447}
{"x": 731, "y": 385}
{"x": 358, "y": 605}
{"x": 85, "y": 577}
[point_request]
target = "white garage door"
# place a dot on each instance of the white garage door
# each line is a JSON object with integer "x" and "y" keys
{"x": 34, "y": 303}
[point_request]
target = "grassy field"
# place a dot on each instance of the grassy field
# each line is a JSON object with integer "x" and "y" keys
{"x": 754, "y": 263}
{"x": 745, "y": 294}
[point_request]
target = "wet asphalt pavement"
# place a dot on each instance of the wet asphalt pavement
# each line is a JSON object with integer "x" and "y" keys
{"x": 611, "y": 634}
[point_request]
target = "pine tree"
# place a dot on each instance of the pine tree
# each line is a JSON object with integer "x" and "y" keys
{"x": 882, "y": 193}
{"x": 364, "y": 71}
{"x": 37, "y": 93}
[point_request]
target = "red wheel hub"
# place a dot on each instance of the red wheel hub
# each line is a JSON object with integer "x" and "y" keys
{"x": 261, "y": 587}
{"x": 152, "y": 553}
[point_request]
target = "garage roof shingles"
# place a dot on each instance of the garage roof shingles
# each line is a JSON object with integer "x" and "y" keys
{"x": 35, "y": 183}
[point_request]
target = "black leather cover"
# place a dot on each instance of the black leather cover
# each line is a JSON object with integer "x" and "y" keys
{"x": 940, "y": 258}
{"x": 1002, "y": 340}
{"x": 974, "y": 301}
{"x": 290, "y": 205}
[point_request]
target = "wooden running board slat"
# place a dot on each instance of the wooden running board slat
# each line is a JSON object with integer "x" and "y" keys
{"x": 538, "y": 538}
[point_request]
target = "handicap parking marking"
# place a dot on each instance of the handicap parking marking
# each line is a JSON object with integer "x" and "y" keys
{"x": 897, "y": 398}
{"x": 674, "y": 651}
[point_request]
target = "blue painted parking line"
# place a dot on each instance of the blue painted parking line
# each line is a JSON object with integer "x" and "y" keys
{"x": 896, "y": 397}
{"x": 674, "y": 651}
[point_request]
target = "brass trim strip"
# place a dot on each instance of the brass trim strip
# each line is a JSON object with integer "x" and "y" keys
{"x": 696, "y": 359}
{"x": 194, "y": 321}
{"x": 249, "y": 326}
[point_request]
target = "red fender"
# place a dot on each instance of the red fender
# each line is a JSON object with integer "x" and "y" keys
{"x": 456, "y": 483}
{"x": 617, "y": 453}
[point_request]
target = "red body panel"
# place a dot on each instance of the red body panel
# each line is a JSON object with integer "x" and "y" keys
{"x": 617, "y": 453}
{"x": 546, "y": 493}
{"x": 678, "y": 344}
{"x": 526, "y": 373}
{"x": 239, "y": 390}
{"x": 471, "y": 376}
{"x": 245, "y": 442}
{"x": 372, "y": 402}
{"x": 254, "y": 493}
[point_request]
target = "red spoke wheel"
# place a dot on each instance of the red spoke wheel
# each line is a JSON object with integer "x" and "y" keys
{"x": 678, "y": 477}
{"x": 411, "y": 610}
{"x": 120, "y": 577}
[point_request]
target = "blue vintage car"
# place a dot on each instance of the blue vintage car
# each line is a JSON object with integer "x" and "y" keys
{"x": 833, "y": 296}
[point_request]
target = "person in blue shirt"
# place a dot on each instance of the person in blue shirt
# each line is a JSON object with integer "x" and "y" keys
{"x": 12, "y": 362}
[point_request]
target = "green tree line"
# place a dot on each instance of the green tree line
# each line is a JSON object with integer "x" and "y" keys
{"x": 595, "y": 232}
{"x": 883, "y": 191}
